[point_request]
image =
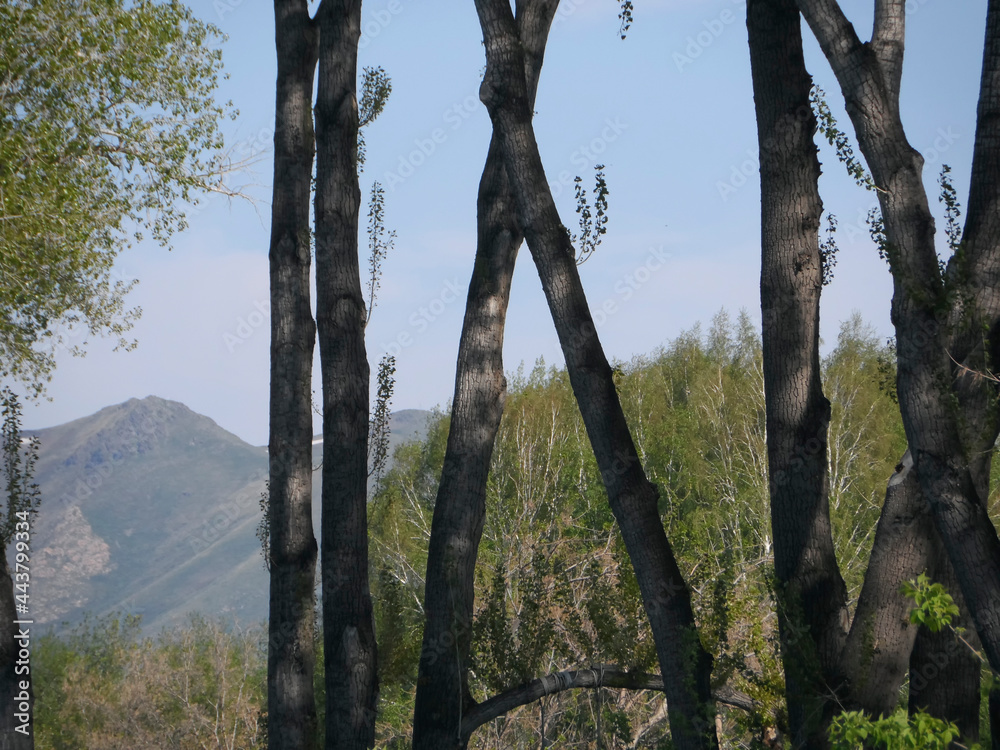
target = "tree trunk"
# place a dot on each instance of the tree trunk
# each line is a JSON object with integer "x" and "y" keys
{"x": 291, "y": 658}
{"x": 685, "y": 665}
{"x": 443, "y": 697}
{"x": 878, "y": 648}
{"x": 812, "y": 597}
{"x": 348, "y": 619}
{"x": 933, "y": 390}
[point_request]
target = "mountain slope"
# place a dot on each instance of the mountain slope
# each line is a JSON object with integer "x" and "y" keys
{"x": 150, "y": 508}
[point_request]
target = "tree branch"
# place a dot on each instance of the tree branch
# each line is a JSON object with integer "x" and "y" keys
{"x": 983, "y": 217}
{"x": 835, "y": 34}
{"x": 887, "y": 40}
{"x": 595, "y": 677}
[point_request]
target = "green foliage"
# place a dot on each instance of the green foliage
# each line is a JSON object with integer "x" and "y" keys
{"x": 104, "y": 685}
{"x": 853, "y": 730}
{"x": 380, "y": 243}
{"x": 554, "y": 585}
{"x": 263, "y": 531}
{"x": 21, "y": 496}
{"x": 375, "y": 89}
{"x": 378, "y": 437}
{"x": 935, "y": 607}
{"x": 952, "y": 208}
{"x": 828, "y": 249}
{"x": 876, "y": 229}
{"x": 865, "y": 438}
{"x": 108, "y": 123}
{"x": 837, "y": 138}
{"x": 625, "y": 16}
{"x": 593, "y": 226}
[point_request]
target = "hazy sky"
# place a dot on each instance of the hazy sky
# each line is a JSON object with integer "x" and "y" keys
{"x": 669, "y": 111}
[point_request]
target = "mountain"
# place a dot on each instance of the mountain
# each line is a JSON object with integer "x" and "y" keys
{"x": 150, "y": 508}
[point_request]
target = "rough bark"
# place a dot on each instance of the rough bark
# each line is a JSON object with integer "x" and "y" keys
{"x": 685, "y": 665}
{"x": 931, "y": 313}
{"x": 291, "y": 657}
{"x": 348, "y": 619}
{"x": 878, "y": 647}
{"x": 443, "y": 697}
{"x": 15, "y": 685}
{"x": 812, "y": 597}
{"x": 826, "y": 667}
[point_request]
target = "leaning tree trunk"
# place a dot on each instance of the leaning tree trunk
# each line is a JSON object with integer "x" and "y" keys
{"x": 685, "y": 665}
{"x": 933, "y": 313}
{"x": 877, "y": 653}
{"x": 348, "y": 619}
{"x": 292, "y": 555}
{"x": 443, "y": 699}
{"x": 812, "y": 597}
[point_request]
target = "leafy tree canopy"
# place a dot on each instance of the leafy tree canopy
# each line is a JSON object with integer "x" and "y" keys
{"x": 107, "y": 120}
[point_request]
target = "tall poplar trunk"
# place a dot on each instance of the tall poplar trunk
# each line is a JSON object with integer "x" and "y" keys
{"x": 812, "y": 597}
{"x": 685, "y": 664}
{"x": 949, "y": 413}
{"x": 443, "y": 697}
{"x": 827, "y": 667}
{"x": 291, "y": 657}
{"x": 348, "y": 619}
{"x": 878, "y": 650}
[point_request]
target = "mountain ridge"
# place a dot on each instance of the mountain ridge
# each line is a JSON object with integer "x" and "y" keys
{"x": 151, "y": 508}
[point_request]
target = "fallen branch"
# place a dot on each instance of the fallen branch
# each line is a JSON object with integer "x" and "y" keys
{"x": 595, "y": 677}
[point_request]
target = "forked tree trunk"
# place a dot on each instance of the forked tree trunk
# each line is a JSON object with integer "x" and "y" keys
{"x": 348, "y": 619}
{"x": 685, "y": 665}
{"x": 940, "y": 321}
{"x": 291, "y": 703}
{"x": 443, "y": 700}
{"x": 826, "y": 667}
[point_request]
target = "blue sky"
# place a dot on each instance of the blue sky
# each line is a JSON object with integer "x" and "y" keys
{"x": 669, "y": 111}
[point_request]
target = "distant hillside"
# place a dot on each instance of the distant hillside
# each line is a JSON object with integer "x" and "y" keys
{"x": 151, "y": 508}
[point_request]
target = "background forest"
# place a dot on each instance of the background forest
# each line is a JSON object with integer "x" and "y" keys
{"x": 554, "y": 589}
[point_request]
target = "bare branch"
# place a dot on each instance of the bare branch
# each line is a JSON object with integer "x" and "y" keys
{"x": 595, "y": 677}
{"x": 835, "y": 34}
{"x": 887, "y": 40}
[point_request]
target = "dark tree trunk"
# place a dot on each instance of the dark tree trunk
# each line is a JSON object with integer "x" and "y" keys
{"x": 291, "y": 658}
{"x": 931, "y": 313}
{"x": 15, "y": 683}
{"x": 685, "y": 665}
{"x": 878, "y": 648}
{"x": 348, "y": 619}
{"x": 826, "y": 667}
{"x": 443, "y": 697}
{"x": 812, "y": 597}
